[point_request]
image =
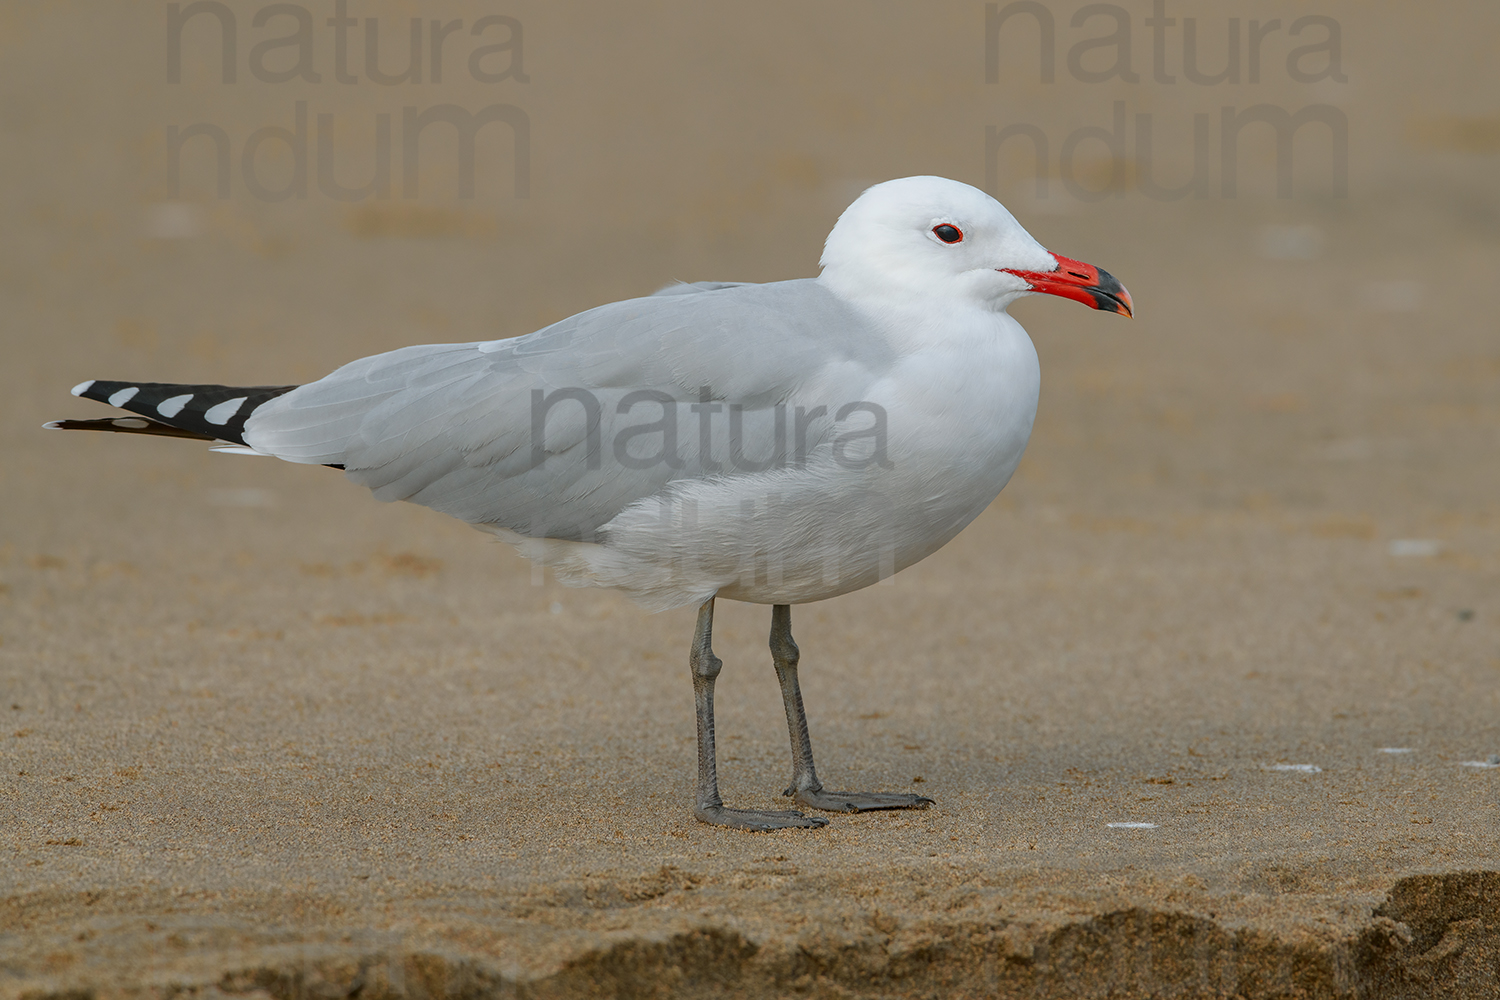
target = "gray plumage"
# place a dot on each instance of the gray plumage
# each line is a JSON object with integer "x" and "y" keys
{"x": 451, "y": 426}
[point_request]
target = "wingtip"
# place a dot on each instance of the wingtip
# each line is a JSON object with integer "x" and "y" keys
{"x": 52, "y": 425}
{"x": 82, "y": 387}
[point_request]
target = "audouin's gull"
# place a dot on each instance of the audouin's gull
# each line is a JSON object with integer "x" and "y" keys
{"x": 775, "y": 443}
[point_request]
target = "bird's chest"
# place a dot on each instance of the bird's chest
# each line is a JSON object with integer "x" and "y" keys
{"x": 959, "y": 419}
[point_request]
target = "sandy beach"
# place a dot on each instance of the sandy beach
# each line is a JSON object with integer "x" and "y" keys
{"x": 1207, "y": 700}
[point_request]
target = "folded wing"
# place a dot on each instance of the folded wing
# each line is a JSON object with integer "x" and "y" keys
{"x": 554, "y": 433}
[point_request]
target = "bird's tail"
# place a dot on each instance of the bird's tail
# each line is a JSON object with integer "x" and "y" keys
{"x": 167, "y": 409}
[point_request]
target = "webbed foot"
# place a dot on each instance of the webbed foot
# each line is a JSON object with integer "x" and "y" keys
{"x": 757, "y": 819}
{"x": 857, "y": 801}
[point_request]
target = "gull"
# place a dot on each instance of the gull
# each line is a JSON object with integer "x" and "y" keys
{"x": 775, "y": 443}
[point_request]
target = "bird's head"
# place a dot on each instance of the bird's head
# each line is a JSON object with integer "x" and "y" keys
{"x": 933, "y": 237}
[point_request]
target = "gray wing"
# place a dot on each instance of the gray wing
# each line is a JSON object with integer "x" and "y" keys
{"x": 554, "y": 433}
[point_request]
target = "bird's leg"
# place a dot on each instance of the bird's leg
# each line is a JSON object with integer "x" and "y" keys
{"x": 709, "y": 807}
{"x": 805, "y": 787}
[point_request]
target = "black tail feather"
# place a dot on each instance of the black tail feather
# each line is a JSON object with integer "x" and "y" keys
{"x": 208, "y": 412}
{"x": 126, "y": 425}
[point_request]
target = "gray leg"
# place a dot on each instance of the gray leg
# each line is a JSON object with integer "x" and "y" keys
{"x": 805, "y": 787}
{"x": 709, "y": 807}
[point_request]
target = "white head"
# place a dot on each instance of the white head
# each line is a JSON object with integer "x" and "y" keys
{"x": 936, "y": 238}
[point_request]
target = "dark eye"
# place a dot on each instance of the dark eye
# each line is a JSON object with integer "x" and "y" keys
{"x": 947, "y": 233}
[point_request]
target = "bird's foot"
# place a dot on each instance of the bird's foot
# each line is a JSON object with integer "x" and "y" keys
{"x": 856, "y": 801}
{"x": 757, "y": 819}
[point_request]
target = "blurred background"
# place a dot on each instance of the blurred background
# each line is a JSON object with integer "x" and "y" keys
{"x": 1315, "y": 323}
{"x": 1268, "y": 503}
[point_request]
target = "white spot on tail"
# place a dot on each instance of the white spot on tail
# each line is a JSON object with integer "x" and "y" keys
{"x": 221, "y": 413}
{"x": 82, "y": 387}
{"x": 124, "y": 396}
{"x": 171, "y": 407}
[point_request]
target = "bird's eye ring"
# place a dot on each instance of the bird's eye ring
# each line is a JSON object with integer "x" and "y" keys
{"x": 948, "y": 233}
